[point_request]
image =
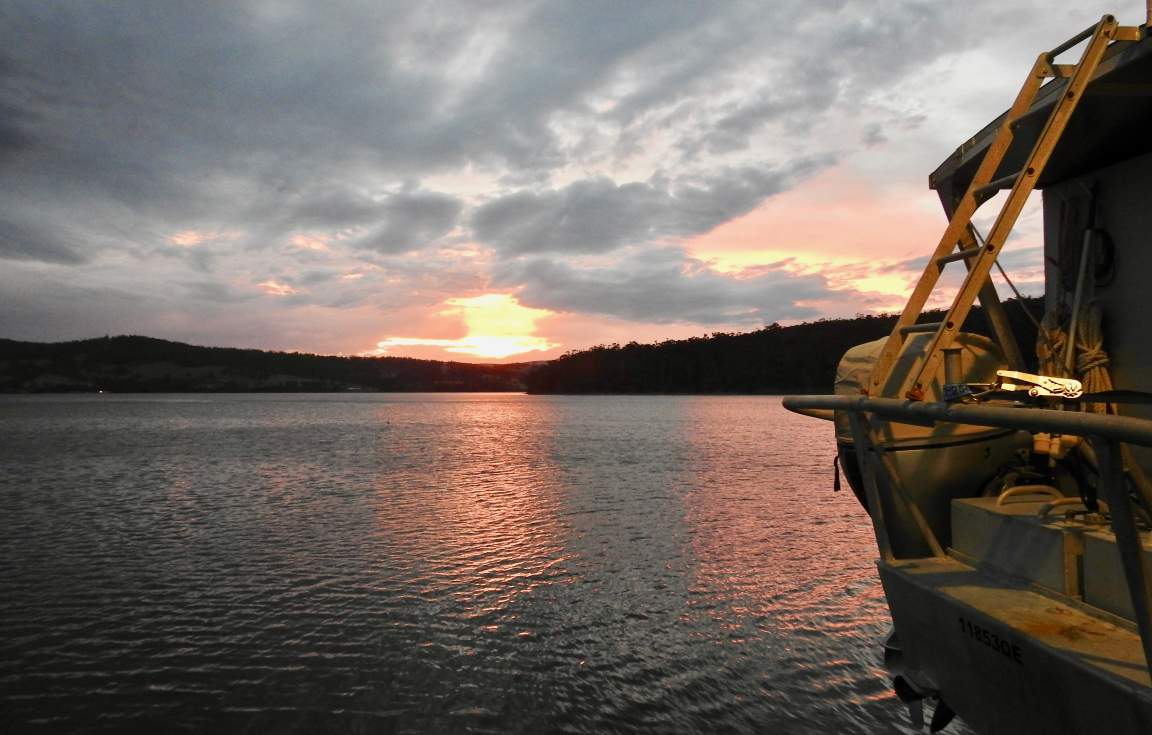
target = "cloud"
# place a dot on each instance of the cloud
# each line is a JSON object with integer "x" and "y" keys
{"x": 304, "y": 140}
{"x": 665, "y": 286}
{"x": 19, "y": 243}
{"x": 588, "y": 216}
{"x": 43, "y": 307}
{"x": 412, "y": 221}
{"x": 272, "y": 287}
{"x": 597, "y": 215}
{"x": 214, "y": 292}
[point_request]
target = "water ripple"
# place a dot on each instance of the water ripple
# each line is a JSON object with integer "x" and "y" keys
{"x": 431, "y": 564}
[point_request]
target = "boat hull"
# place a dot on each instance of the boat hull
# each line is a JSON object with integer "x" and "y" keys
{"x": 1010, "y": 660}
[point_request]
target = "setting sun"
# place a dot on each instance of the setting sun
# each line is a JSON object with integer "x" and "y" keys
{"x": 497, "y": 325}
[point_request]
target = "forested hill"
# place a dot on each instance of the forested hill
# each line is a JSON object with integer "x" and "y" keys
{"x": 146, "y": 365}
{"x": 775, "y": 359}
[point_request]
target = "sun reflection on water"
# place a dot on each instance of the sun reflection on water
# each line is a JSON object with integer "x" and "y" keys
{"x": 435, "y": 563}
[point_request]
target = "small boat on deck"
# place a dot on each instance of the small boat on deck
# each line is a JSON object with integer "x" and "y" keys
{"x": 1011, "y": 499}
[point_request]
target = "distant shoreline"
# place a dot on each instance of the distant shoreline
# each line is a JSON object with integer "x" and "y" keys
{"x": 133, "y": 364}
{"x": 773, "y": 360}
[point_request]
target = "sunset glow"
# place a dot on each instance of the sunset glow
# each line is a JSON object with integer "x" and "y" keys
{"x": 838, "y": 225}
{"x": 187, "y": 238}
{"x": 498, "y": 326}
{"x": 318, "y": 243}
{"x": 273, "y": 287}
{"x": 628, "y": 185}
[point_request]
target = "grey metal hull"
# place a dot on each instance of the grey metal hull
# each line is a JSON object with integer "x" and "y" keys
{"x": 1011, "y": 660}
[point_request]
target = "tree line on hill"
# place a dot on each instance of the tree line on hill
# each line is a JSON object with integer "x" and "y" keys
{"x": 774, "y": 359}
{"x": 144, "y": 365}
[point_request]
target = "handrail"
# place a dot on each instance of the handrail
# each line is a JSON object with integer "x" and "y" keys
{"x": 1105, "y": 426}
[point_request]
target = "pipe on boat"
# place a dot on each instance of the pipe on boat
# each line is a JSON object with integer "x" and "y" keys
{"x": 1105, "y": 426}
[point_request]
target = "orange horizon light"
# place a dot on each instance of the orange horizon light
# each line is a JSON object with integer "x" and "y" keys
{"x": 497, "y": 327}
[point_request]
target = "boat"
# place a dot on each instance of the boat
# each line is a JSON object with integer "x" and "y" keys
{"x": 1010, "y": 495}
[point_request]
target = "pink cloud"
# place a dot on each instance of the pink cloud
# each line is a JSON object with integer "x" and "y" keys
{"x": 273, "y": 287}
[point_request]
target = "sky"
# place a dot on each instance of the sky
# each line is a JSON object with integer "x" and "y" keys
{"x": 487, "y": 181}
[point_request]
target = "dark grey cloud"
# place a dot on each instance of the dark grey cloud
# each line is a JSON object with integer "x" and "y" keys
{"x": 51, "y": 306}
{"x": 42, "y": 309}
{"x": 278, "y": 118}
{"x": 355, "y": 121}
{"x": 187, "y": 116}
{"x": 326, "y": 208}
{"x": 382, "y": 222}
{"x": 729, "y": 127}
{"x": 594, "y": 215}
{"x": 131, "y": 97}
{"x": 1022, "y": 257}
{"x": 597, "y": 215}
{"x": 663, "y": 285}
{"x": 23, "y": 243}
{"x": 214, "y": 292}
{"x": 412, "y": 220}
{"x": 13, "y": 135}
{"x": 873, "y": 135}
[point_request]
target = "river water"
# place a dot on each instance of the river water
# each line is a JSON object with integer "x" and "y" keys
{"x": 432, "y": 563}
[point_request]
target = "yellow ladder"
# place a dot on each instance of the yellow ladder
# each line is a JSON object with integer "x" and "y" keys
{"x": 980, "y": 257}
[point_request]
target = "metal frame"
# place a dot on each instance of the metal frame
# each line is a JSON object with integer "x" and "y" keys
{"x": 980, "y": 258}
{"x": 874, "y": 461}
{"x": 1111, "y": 432}
{"x": 1136, "y": 566}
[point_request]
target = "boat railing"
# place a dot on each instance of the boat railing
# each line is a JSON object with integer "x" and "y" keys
{"x": 1108, "y": 433}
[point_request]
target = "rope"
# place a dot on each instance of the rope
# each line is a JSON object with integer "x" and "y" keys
{"x": 1091, "y": 359}
{"x": 1091, "y": 363}
{"x": 1051, "y": 338}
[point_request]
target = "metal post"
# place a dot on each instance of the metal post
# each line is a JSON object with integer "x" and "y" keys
{"x": 952, "y": 370}
{"x": 1137, "y": 569}
{"x": 864, "y": 455}
{"x": 1077, "y": 301}
{"x": 901, "y": 493}
{"x": 994, "y": 310}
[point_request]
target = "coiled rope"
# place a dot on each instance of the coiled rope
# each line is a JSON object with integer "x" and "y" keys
{"x": 1051, "y": 339}
{"x": 1092, "y": 370}
{"x": 1091, "y": 359}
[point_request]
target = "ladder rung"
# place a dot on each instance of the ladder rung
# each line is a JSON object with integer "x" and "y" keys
{"x": 918, "y": 328}
{"x": 998, "y": 184}
{"x": 959, "y": 255}
{"x": 1061, "y": 71}
{"x": 1082, "y": 35}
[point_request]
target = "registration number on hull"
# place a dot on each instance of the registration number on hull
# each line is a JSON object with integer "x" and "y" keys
{"x": 990, "y": 639}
